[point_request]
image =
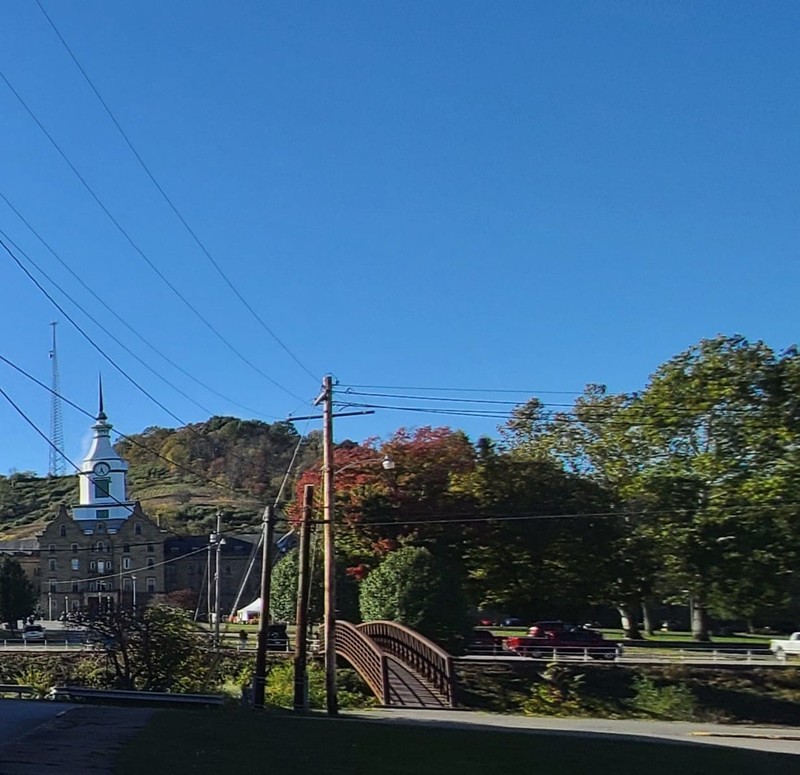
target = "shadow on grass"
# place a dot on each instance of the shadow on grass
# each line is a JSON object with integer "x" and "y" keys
{"x": 238, "y": 740}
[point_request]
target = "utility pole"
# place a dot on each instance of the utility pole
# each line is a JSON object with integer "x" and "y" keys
{"x": 260, "y": 675}
{"x": 303, "y": 584}
{"x": 218, "y": 541}
{"x": 331, "y": 699}
{"x": 209, "y": 599}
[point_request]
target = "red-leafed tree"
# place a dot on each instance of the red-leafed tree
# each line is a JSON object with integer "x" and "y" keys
{"x": 377, "y": 510}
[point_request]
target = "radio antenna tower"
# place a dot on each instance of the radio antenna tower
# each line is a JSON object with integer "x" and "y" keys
{"x": 57, "y": 467}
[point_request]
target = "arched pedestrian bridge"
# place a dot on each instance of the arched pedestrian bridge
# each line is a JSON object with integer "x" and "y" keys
{"x": 402, "y": 667}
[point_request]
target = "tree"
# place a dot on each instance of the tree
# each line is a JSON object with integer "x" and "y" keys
{"x": 411, "y": 587}
{"x": 159, "y": 650}
{"x": 17, "y": 598}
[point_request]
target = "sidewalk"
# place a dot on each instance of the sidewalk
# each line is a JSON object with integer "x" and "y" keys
{"x": 757, "y": 738}
{"x": 81, "y": 741}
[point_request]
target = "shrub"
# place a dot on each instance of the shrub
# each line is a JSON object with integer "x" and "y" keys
{"x": 674, "y": 702}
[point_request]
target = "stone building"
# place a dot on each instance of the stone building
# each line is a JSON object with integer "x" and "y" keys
{"x": 104, "y": 551}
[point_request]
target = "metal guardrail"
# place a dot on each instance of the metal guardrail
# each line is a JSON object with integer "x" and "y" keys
{"x": 17, "y": 689}
{"x": 67, "y": 693}
{"x": 722, "y": 655}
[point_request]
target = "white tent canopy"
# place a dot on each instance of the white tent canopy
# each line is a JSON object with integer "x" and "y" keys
{"x": 250, "y": 611}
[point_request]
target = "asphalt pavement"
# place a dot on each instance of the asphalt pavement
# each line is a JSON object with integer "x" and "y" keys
{"x": 757, "y": 738}
{"x": 63, "y": 738}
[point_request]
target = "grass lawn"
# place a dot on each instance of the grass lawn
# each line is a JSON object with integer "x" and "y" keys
{"x": 224, "y": 741}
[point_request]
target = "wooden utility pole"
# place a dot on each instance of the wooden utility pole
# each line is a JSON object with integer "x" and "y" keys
{"x": 219, "y": 541}
{"x": 331, "y": 699}
{"x": 303, "y": 585}
{"x": 259, "y": 679}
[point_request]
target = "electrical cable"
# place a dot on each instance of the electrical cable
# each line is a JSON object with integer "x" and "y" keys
{"x": 138, "y": 250}
{"x": 128, "y": 438}
{"x": 167, "y": 199}
{"x": 113, "y": 312}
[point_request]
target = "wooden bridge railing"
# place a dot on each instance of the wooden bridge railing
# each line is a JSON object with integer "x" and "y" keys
{"x": 365, "y": 656}
{"x": 421, "y": 655}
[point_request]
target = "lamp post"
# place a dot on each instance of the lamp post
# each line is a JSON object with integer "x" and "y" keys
{"x": 133, "y": 579}
{"x": 50, "y": 606}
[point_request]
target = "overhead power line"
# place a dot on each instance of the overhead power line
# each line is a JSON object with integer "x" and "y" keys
{"x": 169, "y": 201}
{"x": 126, "y": 437}
{"x": 129, "y": 239}
{"x": 113, "y": 312}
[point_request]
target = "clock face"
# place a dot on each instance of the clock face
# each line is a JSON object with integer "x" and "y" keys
{"x": 101, "y": 469}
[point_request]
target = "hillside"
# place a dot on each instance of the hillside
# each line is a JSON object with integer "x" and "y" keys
{"x": 180, "y": 475}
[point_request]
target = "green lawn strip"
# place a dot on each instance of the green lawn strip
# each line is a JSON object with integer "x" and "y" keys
{"x": 218, "y": 741}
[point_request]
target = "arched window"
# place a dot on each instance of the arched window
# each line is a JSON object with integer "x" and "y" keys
{"x": 100, "y": 546}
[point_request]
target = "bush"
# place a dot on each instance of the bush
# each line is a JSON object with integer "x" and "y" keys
{"x": 411, "y": 587}
{"x": 674, "y": 702}
{"x": 352, "y": 692}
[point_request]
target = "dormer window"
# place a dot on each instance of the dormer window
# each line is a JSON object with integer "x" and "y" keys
{"x": 102, "y": 487}
{"x": 63, "y": 531}
{"x": 102, "y": 513}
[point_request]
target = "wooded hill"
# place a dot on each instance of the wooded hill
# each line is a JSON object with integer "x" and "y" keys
{"x": 181, "y": 476}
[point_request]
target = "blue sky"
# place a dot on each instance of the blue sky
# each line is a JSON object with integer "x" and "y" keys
{"x": 520, "y": 196}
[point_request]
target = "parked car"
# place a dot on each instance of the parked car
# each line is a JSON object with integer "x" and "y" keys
{"x": 277, "y": 637}
{"x": 32, "y": 632}
{"x": 567, "y": 641}
{"x": 484, "y": 642}
{"x": 783, "y": 648}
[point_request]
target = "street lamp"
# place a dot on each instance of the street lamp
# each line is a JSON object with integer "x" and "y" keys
{"x": 133, "y": 579}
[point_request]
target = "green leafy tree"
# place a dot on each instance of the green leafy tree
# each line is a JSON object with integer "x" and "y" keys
{"x": 17, "y": 598}
{"x": 159, "y": 650}
{"x": 283, "y": 595}
{"x": 411, "y": 587}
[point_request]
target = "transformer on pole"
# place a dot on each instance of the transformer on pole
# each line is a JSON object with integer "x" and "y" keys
{"x": 57, "y": 466}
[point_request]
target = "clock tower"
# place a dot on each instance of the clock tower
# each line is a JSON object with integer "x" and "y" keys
{"x": 103, "y": 485}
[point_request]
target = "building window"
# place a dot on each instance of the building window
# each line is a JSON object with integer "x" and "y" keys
{"x": 150, "y": 548}
{"x": 150, "y": 562}
{"x": 76, "y": 564}
{"x": 51, "y": 565}
{"x": 137, "y": 528}
{"x": 75, "y": 587}
{"x": 93, "y": 586}
{"x": 102, "y": 586}
{"x": 151, "y": 584}
{"x": 102, "y": 488}
{"x": 74, "y": 548}
{"x": 126, "y": 563}
{"x": 51, "y": 548}
{"x": 93, "y": 565}
{"x": 102, "y": 513}
{"x": 51, "y": 585}
{"x": 126, "y": 585}
{"x": 62, "y": 531}
{"x": 101, "y": 527}
{"x": 100, "y": 546}
{"x": 126, "y": 548}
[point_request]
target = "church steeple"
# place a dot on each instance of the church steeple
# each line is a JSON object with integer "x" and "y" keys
{"x": 103, "y": 474}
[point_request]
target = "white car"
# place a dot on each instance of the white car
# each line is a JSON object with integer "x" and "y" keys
{"x": 33, "y": 632}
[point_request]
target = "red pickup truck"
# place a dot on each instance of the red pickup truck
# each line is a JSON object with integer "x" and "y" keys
{"x": 545, "y": 640}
